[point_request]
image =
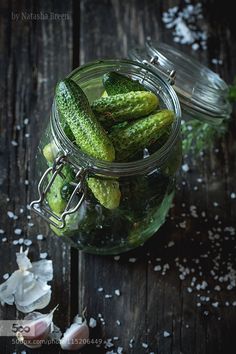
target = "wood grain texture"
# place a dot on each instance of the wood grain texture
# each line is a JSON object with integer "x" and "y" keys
{"x": 33, "y": 56}
{"x": 154, "y": 303}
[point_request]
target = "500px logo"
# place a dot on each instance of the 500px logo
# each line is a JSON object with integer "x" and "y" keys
{"x": 9, "y": 328}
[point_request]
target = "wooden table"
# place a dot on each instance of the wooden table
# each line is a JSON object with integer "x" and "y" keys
{"x": 34, "y": 55}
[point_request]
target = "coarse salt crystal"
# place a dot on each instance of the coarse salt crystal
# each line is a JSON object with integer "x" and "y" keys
{"x": 43, "y": 255}
{"x": 171, "y": 244}
{"x": 145, "y": 345}
{"x": 10, "y": 214}
{"x": 17, "y": 231}
{"x": 2, "y": 232}
{"x": 232, "y": 195}
{"x": 132, "y": 260}
{"x": 14, "y": 143}
{"x": 6, "y": 276}
{"x": 116, "y": 258}
{"x": 108, "y": 296}
{"x": 166, "y": 334}
{"x": 39, "y": 237}
{"x": 27, "y": 242}
{"x": 118, "y": 323}
{"x": 92, "y": 322}
{"x": 185, "y": 167}
{"x": 100, "y": 290}
{"x": 117, "y": 292}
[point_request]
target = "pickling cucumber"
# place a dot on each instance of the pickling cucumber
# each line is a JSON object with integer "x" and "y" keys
{"x": 89, "y": 136}
{"x": 107, "y": 191}
{"x": 130, "y": 138}
{"x": 55, "y": 198}
{"x": 121, "y": 107}
{"x": 88, "y": 132}
{"x": 115, "y": 83}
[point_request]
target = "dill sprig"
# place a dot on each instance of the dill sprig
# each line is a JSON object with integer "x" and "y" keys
{"x": 198, "y": 136}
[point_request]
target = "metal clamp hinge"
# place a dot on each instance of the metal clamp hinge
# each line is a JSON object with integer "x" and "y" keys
{"x": 41, "y": 207}
{"x": 171, "y": 74}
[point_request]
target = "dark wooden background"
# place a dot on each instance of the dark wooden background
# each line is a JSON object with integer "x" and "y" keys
{"x": 34, "y": 55}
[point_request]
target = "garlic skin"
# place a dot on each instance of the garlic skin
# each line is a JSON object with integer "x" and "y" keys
{"x": 27, "y": 287}
{"x": 39, "y": 327}
{"x": 76, "y": 336}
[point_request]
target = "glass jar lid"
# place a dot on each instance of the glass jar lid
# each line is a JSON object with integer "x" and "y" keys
{"x": 202, "y": 93}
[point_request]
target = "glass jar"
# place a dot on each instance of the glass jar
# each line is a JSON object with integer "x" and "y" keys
{"x": 146, "y": 185}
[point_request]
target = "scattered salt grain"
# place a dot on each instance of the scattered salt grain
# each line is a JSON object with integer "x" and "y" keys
{"x": 27, "y": 242}
{"x": 100, "y": 290}
{"x": 14, "y": 143}
{"x": 232, "y": 195}
{"x": 15, "y": 242}
{"x": 157, "y": 268}
{"x": 117, "y": 292}
{"x": 2, "y": 232}
{"x": 215, "y": 304}
{"x": 4, "y": 239}
{"x": 108, "y": 296}
{"x": 185, "y": 167}
{"x": 43, "y": 255}
{"x": 185, "y": 22}
{"x": 17, "y": 231}
{"x": 171, "y": 244}
{"x": 26, "y": 121}
{"x": 145, "y": 345}
{"x": 92, "y": 322}
{"x": 166, "y": 334}
{"x": 118, "y": 323}
{"x": 21, "y": 241}
{"x": 119, "y": 350}
{"x": 39, "y": 237}
{"x": 6, "y": 276}
{"x": 132, "y": 260}
{"x": 10, "y": 214}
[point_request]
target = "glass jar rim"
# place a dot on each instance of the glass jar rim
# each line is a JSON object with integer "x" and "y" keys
{"x": 199, "y": 88}
{"x": 116, "y": 169}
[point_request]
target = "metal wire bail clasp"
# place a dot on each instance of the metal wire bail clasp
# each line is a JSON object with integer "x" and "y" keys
{"x": 40, "y": 205}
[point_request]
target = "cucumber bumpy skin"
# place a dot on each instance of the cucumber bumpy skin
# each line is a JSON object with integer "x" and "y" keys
{"x": 55, "y": 198}
{"x": 142, "y": 133}
{"x": 106, "y": 191}
{"x": 115, "y": 83}
{"x": 89, "y": 134}
{"x": 121, "y": 107}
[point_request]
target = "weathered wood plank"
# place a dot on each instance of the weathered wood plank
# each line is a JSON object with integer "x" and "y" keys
{"x": 164, "y": 302}
{"x": 35, "y": 54}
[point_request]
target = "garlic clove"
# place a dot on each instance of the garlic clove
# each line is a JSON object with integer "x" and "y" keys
{"x": 37, "y": 328}
{"x": 32, "y": 294}
{"x": 75, "y": 337}
{"x": 43, "y": 270}
{"x": 22, "y": 260}
{"x": 27, "y": 286}
{"x": 7, "y": 289}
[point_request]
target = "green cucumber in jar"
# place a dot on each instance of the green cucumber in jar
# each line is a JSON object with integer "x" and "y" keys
{"x": 56, "y": 198}
{"x": 118, "y": 108}
{"x": 88, "y": 132}
{"x": 115, "y": 83}
{"x": 89, "y": 136}
{"x": 133, "y": 137}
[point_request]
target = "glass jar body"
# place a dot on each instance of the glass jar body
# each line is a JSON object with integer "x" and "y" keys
{"x": 146, "y": 187}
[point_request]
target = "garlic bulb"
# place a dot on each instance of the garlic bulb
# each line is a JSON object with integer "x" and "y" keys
{"x": 27, "y": 287}
{"x": 37, "y": 328}
{"x": 76, "y": 336}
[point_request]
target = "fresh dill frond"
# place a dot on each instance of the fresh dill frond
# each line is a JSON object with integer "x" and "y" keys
{"x": 198, "y": 136}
